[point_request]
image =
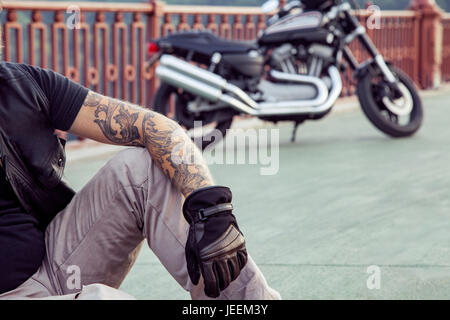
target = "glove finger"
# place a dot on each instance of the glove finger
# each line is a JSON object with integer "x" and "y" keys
{"x": 211, "y": 279}
{"x": 192, "y": 263}
{"x": 224, "y": 275}
{"x": 233, "y": 266}
{"x": 193, "y": 268}
{"x": 242, "y": 258}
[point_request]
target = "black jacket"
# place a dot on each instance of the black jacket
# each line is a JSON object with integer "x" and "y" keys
{"x": 33, "y": 156}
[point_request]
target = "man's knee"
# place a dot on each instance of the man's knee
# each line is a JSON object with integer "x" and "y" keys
{"x": 130, "y": 166}
{"x": 132, "y": 157}
{"x": 135, "y": 167}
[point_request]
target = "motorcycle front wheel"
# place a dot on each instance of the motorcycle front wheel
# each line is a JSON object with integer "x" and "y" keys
{"x": 173, "y": 103}
{"x": 396, "y": 112}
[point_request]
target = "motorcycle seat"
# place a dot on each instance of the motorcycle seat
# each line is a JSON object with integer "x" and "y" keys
{"x": 207, "y": 43}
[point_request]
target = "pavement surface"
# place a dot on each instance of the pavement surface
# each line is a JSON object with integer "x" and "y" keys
{"x": 345, "y": 198}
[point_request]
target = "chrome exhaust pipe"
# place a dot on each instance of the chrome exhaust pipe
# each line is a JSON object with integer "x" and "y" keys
{"x": 209, "y": 78}
{"x": 201, "y": 89}
{"x": 218, "y": 82}
{"x": 210, "y": 86}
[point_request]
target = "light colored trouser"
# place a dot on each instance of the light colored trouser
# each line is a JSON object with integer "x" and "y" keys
{"x": 101, "y": 232}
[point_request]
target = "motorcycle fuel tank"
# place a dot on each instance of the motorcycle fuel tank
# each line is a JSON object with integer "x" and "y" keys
{"x": 304, "y": 26}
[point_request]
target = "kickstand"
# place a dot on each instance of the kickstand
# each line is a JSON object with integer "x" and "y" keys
{"x": 294, "y": 132}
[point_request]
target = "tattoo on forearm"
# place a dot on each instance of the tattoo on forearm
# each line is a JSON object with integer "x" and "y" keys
{"x": 108, "y": 110}
{"x": 128, "y": 134}
{"x": 188, "y": 176}
{"x": 120, "y": 124}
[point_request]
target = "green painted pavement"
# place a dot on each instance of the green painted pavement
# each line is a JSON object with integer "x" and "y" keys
{"x": 346, "y": 197}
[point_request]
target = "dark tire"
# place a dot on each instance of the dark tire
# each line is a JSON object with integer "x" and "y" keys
{"x": 161, "y": 104}
{"x": 370, "y": 90}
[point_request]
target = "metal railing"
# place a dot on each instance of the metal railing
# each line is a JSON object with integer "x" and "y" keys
{"x": 237, "y": 23}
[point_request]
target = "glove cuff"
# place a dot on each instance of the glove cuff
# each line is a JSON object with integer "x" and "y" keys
{"x": 205, "y": 202}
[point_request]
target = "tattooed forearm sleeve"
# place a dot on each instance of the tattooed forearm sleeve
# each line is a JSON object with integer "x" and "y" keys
{"x": 125, "y": 124}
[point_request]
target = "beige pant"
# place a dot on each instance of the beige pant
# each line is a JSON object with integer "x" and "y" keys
{"x": 99, "y": 235}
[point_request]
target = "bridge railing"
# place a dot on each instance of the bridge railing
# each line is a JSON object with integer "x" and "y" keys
{"x": 237, "y": 23}
{"x": 106, "y": 51}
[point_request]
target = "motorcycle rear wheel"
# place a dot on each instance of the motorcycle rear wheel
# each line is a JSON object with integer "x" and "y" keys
{"x": 162, "y": 104}
{"x": 379, "y": 104}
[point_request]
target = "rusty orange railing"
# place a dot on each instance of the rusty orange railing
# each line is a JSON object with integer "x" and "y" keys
{"x": 107, "y": 52}
{"x": 237, "y": 23}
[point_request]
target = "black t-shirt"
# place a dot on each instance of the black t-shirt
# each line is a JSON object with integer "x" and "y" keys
{"x": 22, "y": 245}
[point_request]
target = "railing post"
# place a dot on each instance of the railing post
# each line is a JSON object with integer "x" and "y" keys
{"x": 430, "y": 42}
{"x": 153, "y": 32}
{"x": 154, "y": 24}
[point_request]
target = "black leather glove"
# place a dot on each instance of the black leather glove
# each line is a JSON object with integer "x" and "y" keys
{"x": 215, "y": 247}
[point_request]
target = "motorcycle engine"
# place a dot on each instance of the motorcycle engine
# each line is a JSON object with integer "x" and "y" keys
{"x": 290, "y": 59}
{"x": 304, "y": 60}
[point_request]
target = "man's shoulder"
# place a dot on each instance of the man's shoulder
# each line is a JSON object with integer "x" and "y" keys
{"x": 18, "y": 76}
{"x": 12, "y": 70}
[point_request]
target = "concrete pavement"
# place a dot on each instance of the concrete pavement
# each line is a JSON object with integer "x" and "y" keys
{"x": 346, "y": 197}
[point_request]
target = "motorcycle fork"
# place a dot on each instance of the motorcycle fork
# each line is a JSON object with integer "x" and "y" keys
{"x": 367, "y": 43}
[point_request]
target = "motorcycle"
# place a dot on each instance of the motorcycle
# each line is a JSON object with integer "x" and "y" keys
{"x": 292, "y": 72}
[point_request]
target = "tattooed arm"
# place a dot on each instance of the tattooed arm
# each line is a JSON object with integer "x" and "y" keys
{"x": 112, "y": 121}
